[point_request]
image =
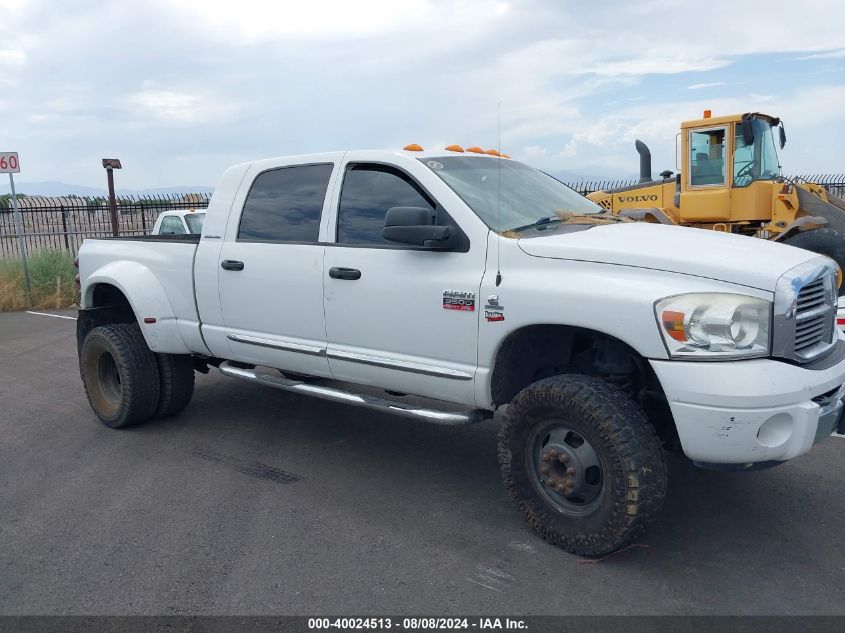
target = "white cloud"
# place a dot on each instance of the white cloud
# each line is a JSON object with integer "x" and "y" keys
{"x": 323, "y": 19}
{"x": 570, "y": 150}
{"x": 12, "y": 57}
{"x": 177, "y": 107}
{"x": 259, "y": 19}
{"x": 840, "y": 54}
{"x": 809, "y": 115}
{"x": 648, "y": 65}
{"x": 577, "y": 82}
{"x": 711, "y": 84}
{"x": 13, "y": 5}
{"x": 533, "y": 152}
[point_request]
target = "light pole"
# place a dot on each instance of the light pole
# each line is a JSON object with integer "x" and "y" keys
{"x": 111, "y": 164}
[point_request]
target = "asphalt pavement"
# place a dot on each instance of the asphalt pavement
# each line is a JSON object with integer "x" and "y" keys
{"x": 254, "y": 501}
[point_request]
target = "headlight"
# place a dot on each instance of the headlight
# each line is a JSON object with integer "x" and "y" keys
{"x": 710, "y": 326}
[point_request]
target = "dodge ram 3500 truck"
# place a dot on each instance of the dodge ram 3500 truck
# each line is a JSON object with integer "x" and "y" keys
{"x": 475, "y": 281}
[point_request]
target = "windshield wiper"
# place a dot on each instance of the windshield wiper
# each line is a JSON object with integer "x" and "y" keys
{"x": 537, "y": 223}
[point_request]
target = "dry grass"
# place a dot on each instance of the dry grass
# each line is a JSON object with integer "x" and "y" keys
{"x": 45, "y": 267}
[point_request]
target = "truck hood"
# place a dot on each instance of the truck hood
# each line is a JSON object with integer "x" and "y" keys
{"x": 732, "y": 258}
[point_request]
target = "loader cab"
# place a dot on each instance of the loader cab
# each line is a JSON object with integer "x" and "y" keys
{"x": 729, "y": 165}
{"x": 755, "y": 156}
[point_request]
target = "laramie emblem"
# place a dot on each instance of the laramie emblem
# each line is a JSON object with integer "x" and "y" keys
{"x": 458, "y": 300}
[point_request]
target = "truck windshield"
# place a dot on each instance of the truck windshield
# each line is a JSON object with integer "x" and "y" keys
{"x": 758, "y": 161}
{"x": 506, "y": 194}
{"x": 194, "y": 222}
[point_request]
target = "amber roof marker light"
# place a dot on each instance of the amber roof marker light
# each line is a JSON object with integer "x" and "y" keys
{"x": 454, "y": 148}
{"x": 413, "y": 147}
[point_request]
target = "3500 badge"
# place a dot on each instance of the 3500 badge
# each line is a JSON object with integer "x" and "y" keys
{"x": 458, "y": 300}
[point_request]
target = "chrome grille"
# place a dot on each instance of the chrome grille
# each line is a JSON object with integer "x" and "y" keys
{"x": 805, "y": 311}
{"x": 811, "y": 315}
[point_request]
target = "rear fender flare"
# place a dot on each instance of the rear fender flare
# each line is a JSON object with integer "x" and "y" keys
{"x": 148, "y": 300}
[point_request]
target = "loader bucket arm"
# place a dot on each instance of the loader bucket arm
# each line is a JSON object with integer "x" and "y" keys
{"x": 833, "y": 210}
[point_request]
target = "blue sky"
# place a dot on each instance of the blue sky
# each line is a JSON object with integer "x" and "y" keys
{"x": 180, "y": 89}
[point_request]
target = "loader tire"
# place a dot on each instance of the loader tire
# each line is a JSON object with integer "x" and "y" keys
{"x": 176, "y": 383}
{"x": 824, "y": 242}
{"x": 582, "y": 463}
{"x": 120, "y": 375}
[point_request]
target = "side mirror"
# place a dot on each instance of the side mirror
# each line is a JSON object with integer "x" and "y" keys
{"x": 782, "y": 135}
{"x": 415, "y": 226}
{"x": 747, "y": 131}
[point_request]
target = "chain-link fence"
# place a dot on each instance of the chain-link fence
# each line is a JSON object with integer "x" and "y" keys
{"x": 63, "y": 222}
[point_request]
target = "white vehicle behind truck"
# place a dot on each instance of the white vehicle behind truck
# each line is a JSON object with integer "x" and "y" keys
{"x": 179, "y": 222}
{"x": 477, "y": 282}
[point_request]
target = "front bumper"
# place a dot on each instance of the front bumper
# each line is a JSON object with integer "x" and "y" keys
{"x": 751, "y": 411}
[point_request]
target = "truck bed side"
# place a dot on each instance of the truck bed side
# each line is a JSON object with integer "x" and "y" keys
{"x": 155, "y": 276}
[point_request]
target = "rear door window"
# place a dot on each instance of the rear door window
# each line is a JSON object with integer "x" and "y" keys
{"x": 285, "y": 204}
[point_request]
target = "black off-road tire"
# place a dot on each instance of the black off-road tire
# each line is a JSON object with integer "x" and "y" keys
{"x": 633, "y": 466}
{"x": 176, "y": 383}
{"x": 120, "y": 375}
{"x": 828, "y": 242}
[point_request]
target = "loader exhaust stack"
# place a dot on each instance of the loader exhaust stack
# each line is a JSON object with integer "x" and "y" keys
{"x": 645, "y": 161}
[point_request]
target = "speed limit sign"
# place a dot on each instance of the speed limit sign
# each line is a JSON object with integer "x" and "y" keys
{"x": 9, "y": 163}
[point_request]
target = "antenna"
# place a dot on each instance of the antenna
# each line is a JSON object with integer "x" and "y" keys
{"x": 499, "y": 196}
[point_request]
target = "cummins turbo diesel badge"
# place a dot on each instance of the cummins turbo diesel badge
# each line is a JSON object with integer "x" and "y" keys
{"x": 458, "y": 300}
{"x": 494, "y": 311}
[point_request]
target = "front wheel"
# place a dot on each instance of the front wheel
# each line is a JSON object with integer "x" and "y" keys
{"x": 582, "y": 462}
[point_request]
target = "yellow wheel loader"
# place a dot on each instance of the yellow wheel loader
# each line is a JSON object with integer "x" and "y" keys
{"x": 730, "y": 180}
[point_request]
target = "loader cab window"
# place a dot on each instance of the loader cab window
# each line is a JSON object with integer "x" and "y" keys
{"x": 758, "y": 161}
{"x": 707, "y": 157}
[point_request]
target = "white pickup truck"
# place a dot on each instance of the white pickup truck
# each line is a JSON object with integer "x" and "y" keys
{"x": 179, "y": 222}
{"x": 475, "y": 281}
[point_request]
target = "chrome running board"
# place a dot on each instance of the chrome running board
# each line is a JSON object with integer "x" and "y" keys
{"x": 446, "y": 418}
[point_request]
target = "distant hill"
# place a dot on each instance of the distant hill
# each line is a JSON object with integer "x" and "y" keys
{"x": 56, "y": 188}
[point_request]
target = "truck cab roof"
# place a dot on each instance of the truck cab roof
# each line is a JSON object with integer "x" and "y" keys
{"x": 376, "y": 155}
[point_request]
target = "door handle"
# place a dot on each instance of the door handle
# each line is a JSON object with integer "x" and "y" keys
{"x": 231, "y": 264}
{"x": 344, "y": 273}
